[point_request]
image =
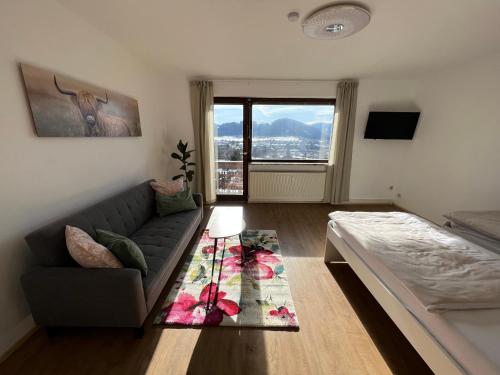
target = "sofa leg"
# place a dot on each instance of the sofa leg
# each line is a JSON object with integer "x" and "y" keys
{"x": 139, "y": 332}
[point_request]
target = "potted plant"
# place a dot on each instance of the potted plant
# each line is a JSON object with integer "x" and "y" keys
{"x": 183, "y": 156}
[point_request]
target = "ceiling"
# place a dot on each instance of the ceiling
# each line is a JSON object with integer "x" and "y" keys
{"x": 252, "y": 39}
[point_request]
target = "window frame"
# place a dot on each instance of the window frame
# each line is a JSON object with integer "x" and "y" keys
{"x": 247, "y": 103}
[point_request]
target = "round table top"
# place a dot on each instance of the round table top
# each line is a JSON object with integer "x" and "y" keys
{"x": 226, "y": 222}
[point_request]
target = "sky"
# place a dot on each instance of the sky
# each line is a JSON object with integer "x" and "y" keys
{"x": 308, "y": 114}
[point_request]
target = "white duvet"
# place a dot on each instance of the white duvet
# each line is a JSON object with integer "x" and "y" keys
{"x": 442, "y": 270}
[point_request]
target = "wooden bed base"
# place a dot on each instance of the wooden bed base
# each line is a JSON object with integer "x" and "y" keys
{"x": 436, "y": 357}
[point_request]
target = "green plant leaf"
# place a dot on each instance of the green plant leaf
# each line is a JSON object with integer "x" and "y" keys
{"x": 175, "y": 156}
{"x": 183, "y": 167}
{"x": 177, "y": 177}
{"x": 197, "y": 274}
{"x": 180, "y": 146}
{"x": 191, "y": 163}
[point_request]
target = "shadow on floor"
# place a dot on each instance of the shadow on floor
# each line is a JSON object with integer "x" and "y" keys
{"x": 229, "y": 350}
{"x": 397, "y": 351}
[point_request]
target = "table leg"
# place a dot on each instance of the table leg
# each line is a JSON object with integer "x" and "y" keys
{"x": 242, "y": 250}
{"x": 212, "y": 275}
{"x": 220, "y": 272}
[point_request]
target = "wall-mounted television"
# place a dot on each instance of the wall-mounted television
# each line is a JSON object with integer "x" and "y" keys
{"x": 391, "y": 125}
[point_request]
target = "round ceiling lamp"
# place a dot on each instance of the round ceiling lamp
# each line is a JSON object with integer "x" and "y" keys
{"x": 336, "y": 21}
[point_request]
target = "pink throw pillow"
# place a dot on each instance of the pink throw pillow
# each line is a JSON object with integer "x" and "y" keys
{"x": 168, "y": 187}
{"x": 88, "y": 253}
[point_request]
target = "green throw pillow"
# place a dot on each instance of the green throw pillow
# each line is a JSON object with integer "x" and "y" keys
{"x": 124, "y": 249}
{"x": 171, "y": 204}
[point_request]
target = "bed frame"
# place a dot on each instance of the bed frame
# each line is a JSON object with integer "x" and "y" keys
{"x": 436, "y": 357}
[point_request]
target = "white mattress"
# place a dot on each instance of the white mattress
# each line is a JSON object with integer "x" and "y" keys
{"x": 471, "y": 337}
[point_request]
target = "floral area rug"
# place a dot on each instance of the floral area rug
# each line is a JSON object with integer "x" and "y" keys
{"x": 252, "y": 292}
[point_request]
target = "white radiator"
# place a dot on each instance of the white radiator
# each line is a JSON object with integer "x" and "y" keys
{"x": 286, "y": 186}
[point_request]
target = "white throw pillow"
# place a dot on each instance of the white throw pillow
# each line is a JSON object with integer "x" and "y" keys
{"x": 168, "y": 187}
{"x": 88, "y": 253}
{"x": 484, "y": 222}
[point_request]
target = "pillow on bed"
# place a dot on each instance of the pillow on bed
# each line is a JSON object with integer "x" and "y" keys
{"x": 484, "y": 222}
{"x": 474, "y": 236}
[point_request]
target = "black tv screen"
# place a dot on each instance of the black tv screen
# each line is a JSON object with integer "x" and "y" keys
{"x": 391, "y": 125}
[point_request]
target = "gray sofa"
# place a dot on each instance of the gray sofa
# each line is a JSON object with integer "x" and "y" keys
{"x": 61, "y": 293}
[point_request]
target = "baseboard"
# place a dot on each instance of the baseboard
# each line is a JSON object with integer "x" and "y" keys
{"x": 402, "y": 208}
{"x": 370, "y": 201}
{"x": 272, "y": 200}
{"x": 11, "y": 340}
{"x": 351, "y": 201}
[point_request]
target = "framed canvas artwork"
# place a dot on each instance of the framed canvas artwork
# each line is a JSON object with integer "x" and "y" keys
{"x": 65, "y": 107}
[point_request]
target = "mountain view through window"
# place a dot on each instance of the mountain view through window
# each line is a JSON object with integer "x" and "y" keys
{"x": 291, "y": 132}
{"x": 283, "y": 132}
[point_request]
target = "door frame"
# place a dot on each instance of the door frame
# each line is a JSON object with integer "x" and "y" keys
{"x": 247, "y": 119}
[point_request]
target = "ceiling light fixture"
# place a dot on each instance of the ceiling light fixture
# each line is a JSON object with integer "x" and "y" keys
{"x": 334, "y": 28}
{"x": 336, "y": 21}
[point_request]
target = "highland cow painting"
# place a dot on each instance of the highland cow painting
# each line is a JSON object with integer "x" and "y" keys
{"x": 65, "y": 107}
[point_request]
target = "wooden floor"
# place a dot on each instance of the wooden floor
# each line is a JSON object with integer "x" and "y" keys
{"x": 342, "y": 328}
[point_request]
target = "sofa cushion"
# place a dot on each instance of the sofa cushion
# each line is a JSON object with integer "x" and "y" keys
{"x": 163, "y": 241}
{"x": 124, "y": 249}
{"x": 88, "y": 253}
{"x": 168, "y": 187}
{"x": 172, "y": 204}
{"x": 124, "y": 214}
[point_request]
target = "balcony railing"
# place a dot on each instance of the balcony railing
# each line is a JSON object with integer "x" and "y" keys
{"x": 229, "y": 176}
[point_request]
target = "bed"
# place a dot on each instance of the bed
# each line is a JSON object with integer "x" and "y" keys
{"x": 456, "y": 341}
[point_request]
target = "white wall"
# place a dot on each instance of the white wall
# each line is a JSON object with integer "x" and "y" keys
{"x": 45, "y": 178}
{"x": 275, "y": 88}
{"x": 377, "y": 164}
{"x": 454, "y": 161}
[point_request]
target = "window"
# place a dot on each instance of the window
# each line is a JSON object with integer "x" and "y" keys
{"x": 267, "y": 130}
{"x": 291, "y": 132}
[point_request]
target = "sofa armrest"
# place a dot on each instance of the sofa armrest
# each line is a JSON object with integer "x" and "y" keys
{"x": 198, "y": 199}
{"x": 73, "y": 296}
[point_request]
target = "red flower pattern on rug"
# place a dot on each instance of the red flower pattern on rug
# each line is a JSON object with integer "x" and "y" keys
{"x": 253, "y": 289}
{"x": 187, "y": 310}
{"x": 257, "y": 261}
{"x": 283, "y": 313}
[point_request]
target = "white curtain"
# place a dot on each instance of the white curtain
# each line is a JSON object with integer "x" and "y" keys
{"x": 339, "y": 165}
{"x": 202, "y": 104}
